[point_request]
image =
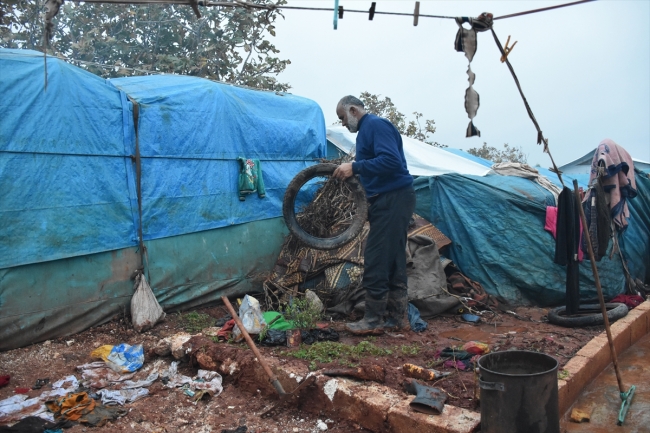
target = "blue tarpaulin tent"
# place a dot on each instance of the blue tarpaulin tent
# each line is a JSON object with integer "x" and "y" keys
{"x": 496, "y": 224}
{"x": 69, "y": 239}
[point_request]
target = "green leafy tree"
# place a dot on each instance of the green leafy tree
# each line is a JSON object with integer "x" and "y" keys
{"x": 113, "y": 40}
{"x": 507, "y": 154}
{"x": 411, "y": 128}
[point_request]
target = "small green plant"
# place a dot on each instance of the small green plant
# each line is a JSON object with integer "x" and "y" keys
{"x": 411, "y": 350}
{"x": 313, "y": 366}
{"x": 345, "y": 354}
{"x": 562, "y": 375}
{"x": 302, "y": 313}
{"x": 194, "y": 322}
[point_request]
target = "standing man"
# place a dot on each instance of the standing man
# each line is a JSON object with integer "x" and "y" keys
{"x": 381, "y": 166}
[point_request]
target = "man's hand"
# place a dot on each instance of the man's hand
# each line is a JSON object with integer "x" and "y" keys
{"x": 343, "y": 171}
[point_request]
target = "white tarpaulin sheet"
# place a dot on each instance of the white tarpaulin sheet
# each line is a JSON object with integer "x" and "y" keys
{"x": 422, "y": 159}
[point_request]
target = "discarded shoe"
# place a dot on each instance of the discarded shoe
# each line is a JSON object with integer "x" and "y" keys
{"x": 427, "y": 399}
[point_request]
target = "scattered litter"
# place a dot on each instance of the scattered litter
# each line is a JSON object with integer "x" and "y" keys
{"x": 81, "y": 408}
{"x": 471, "y": 318}
{"x": 205, "y": 380}
{"x": 580, "y": 415}
{"x": 240, "y": 429}
{"x": 427, "y": 399}
{"x": 40, "y": 383}
{"x": 226, "y": 330}
{"x": 4, "y": 380}
{"x": 418, "y": 372}
{"x": 319, "y": 334}
{"x": 212, "y": 331}
{"x": 99, "y": 375}
{"x": 122, "y": 396}
{"x": 69, "y": 342}
{"x": 251, "y": 317}
{"x": 274, "y": 337}
{"x": 145, "y": 309}
{"x": 32, "y": 424}
{"x": 476, "y": 348}
{"x": 122, "y": 358}
{"x": 320, "y": 425}
{"x": 222, "y": 321}
{"x": 416, "y": 322}
{"x": 21, "y": 390}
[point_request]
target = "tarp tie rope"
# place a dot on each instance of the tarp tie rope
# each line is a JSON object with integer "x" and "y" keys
{"x": 138, "y": 188}
{"x": 540, "y": 135}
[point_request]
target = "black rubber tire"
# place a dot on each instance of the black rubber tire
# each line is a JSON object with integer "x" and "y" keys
{"x": 557, "y": 315}
{"x": 289, "y": 208}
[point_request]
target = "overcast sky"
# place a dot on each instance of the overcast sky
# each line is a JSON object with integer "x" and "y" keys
{"x": 584, "y": 69}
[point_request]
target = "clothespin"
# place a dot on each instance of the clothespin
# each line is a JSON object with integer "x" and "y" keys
{"x": 336, "y": 14}
{"x": 416, "y": 14}
{"x": 371, "y": 11}
{"x": 340, "y": 12}
{"x": 507, "y": 50}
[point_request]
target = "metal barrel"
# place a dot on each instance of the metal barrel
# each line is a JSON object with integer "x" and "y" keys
{"x": 519, "y": 392}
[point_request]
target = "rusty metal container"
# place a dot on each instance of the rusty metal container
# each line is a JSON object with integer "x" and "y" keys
{"x": 519, "y": 392}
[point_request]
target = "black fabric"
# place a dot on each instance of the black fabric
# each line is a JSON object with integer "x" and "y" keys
{"x": 567, "y": 242}
{"x": 31, "y": 424}
{"x": 385, "y": 255}
{"x": 599, "y": 220}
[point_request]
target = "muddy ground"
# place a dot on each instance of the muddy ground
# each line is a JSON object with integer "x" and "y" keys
{"x": 169, "y": 410}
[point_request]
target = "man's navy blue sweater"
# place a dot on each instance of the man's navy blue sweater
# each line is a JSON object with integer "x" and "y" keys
{"x": 380, "y": 161}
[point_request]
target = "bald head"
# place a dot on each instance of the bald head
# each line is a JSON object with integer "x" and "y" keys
{"x": 349, "y": 111}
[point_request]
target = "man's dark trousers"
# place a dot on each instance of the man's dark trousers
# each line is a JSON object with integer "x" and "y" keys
{"x": 385, "y": 255}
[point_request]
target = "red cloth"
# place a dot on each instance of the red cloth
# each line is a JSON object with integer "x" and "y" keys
{"x": 226, "y": 330}
{"x": 21, "y": 390}
{"x": 630, "y": 300}
{"x": 4, "y": 380}
{"x": 550, "y": 226}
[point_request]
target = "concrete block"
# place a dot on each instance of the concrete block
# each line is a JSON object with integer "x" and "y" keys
{"x": 452, "y": 420}
{"x": 579, "y": 376}
{"x": 621, "y": 334}
{"x": 638, "y": 327}
{"x": 597, "y": 350}
{"x": 367, "y": 405}
{"x": 645, "y": 306}
{"x": 563, "y": 396}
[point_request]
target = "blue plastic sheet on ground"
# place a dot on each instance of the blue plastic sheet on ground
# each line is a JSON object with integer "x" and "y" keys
{"x": 125, "y": 358}
{"x": 416, "y": 322}
{"x": 496, "y": 224}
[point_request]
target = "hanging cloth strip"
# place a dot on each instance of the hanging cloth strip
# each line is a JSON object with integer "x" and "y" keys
{"x": 617, "y": 176}
{"x": 466, "y": 42}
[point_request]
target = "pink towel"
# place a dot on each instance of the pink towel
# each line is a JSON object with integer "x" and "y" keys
{"x": 617, "y": 178}
{"x": 550, "y": 226}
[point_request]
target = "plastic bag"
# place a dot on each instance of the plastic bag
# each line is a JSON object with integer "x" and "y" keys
{"x": 145, "y": 309}
{"x": 251, "y": 317}
{"x": 124, "y": 358}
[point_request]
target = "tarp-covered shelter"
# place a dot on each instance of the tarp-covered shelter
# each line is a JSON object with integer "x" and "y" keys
{"x": 73, "y": 163}
{"x": 582, "y": 165}
{"x": 496, "y": 225}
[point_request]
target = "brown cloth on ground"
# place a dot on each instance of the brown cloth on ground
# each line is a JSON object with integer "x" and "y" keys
{"x": 81, "y": 408}
{"x": 336, "y": 275}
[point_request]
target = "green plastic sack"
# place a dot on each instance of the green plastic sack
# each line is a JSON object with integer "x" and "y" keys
{"x": 280, "y": 324}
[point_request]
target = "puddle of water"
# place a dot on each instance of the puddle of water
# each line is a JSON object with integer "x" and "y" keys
{"x": 602, "y": 399}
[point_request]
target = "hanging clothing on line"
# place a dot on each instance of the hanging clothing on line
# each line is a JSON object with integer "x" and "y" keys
{"x": 598, "y": 219}
{"x": 550, "y": 226}
{"x": 567, "y": 246}
{"x": 614, "y": 166}
{"x": 250, "y": 178}
{"x": 466, "y": 42}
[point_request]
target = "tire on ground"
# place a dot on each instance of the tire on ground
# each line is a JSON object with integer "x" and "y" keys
{"x": 289, "y": 208}
{"x": 557, "y": 316}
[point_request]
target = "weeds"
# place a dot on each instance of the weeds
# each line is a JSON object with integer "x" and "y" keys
{"x": 562, "y": 375}
{"x": 411, "y": 350}
{"x": 194, "y": 322}
{"x": 302, "y": 313}
{"x": 328, "y": 351}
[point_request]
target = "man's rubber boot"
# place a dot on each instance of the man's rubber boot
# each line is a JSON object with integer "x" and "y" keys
{"x": 427, "y": 399}
{"x": 397, "y": 311}
{"x": 373, "y": 318}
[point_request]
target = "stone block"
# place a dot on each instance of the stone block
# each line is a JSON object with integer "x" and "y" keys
{"x": 452, "y": 420}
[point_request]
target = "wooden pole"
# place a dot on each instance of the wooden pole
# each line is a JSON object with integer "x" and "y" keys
{"x": 274, "y": 380}
{"x": 594, "y": 269}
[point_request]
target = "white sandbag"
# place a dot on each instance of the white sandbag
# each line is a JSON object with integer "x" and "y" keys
{"x": 251, "y": 317}
{"x": 145, "y": 309}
